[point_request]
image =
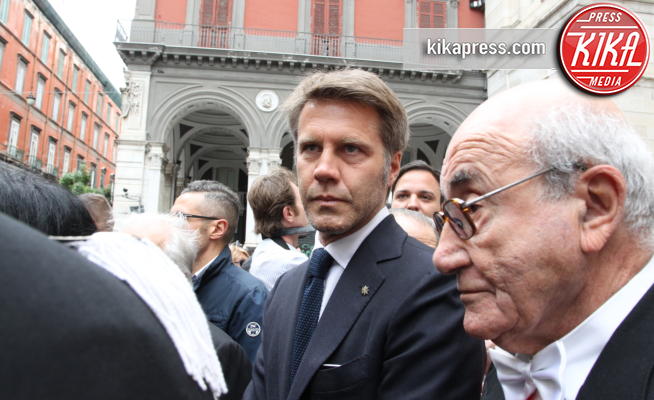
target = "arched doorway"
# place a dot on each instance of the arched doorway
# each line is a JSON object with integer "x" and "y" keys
{"x": 211, "y": 144}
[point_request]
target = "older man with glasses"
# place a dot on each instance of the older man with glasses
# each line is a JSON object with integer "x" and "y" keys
{"x": 232, "y": 298}
{"x": 549, "y": 231}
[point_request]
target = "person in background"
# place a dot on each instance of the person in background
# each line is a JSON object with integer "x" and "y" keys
{"x": 172, "y": 235}
{"x": 549, "y": 232}
{"x": 100, "y": 210}
{"x": 416, "y": 225}
{"x": 42, "y": 204}
{"x": 71, "y": 330}
{"x": 232, "y": 298}
{"x": 239, "y": 254}
{"x": 417, "y": 188}
{"x": 277, "y": 208}
{"x": 159, "y": 282}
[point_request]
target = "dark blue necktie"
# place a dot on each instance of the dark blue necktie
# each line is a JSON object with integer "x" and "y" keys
{"x": 307, "y": 318}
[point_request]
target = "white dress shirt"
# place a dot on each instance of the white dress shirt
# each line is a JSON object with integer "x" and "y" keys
{"x": 342, "y": 251}
{"x": 559, "y": 370}
{"x": 270, "y": 261}
{"x": 198, "y": 274}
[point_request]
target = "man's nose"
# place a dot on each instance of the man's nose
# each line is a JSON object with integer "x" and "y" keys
{"x": 326, "y": 167}
{"x": 450, "y": 254}
{"x": 413, "y": 203}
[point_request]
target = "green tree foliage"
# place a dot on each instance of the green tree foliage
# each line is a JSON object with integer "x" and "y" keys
{"x": 78, "y": 182}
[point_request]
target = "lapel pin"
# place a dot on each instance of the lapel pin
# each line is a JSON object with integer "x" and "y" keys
{"x": 365, "y": 290}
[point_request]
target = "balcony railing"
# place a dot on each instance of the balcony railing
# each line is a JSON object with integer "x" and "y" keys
{"x": 52, "y": 170}
{"x": 34, "y": 162}
{"x": 14, "y": 152}
{"x": 264, "y": 40}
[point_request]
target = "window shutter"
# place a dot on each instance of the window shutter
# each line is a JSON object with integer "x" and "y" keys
{"x": 432, "y": 14}
{"x": 318, "y": 16}
{"x": 206, "y": 12}
{"x": 334, "y": 17}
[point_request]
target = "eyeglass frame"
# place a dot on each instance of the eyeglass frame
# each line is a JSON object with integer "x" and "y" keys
{"x": 186, "y": 216}
{"x": 440, "y": 218}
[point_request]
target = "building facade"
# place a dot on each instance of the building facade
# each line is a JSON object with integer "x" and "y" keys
{"x": 207, "y": 78}
{"x": 58, "y": 111}
{"x": 637, "y": 103}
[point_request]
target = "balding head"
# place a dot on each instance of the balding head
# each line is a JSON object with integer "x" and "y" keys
{"x": 503, "y": 126}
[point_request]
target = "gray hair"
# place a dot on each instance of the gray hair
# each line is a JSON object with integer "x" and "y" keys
{"x": 221, "y": 202}
{"x": 578, "y": 134}
{"x": 180, "y": 242}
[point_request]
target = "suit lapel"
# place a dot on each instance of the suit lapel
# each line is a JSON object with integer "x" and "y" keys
{"x": 348, "y": 299}
{"x": 624, "y": 368}
{"x": 492, "y": 390}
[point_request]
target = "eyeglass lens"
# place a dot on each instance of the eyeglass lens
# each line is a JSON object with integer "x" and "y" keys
{"x": 458, "y": 219}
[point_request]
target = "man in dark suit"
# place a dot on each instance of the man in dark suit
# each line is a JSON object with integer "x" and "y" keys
{"x": 71, "y": 330}
{"x": 552, "y": 246}
{"x": 367, "y": 317}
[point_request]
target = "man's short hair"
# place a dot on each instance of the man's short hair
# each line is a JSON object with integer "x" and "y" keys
{"x": 42, "y": 204}
{"x": 357, "y": 86}
{"x": 221, "y": 202}
{"x": 413, "y": 166}
{"x": 268, "y": 197}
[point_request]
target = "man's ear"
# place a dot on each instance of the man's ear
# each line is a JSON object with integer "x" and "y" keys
{"x": 396, "y": 160}
{"x": 603, "y": 189}
{"x": 288, "y": 214}
{"x": 218, "y": 229}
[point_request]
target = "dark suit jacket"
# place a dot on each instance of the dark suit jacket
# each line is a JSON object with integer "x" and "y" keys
{"x": 237, "y": 369}
{"x": 70, "y": 330}
{"x": 403, "y": 340}
{"x": 624, "y": 369}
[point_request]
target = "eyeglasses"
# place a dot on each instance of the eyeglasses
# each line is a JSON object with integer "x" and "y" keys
{"x": 457, "y": 212}
{"x": 187, "y": 216}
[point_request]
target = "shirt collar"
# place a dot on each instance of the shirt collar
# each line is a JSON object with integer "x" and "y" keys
{"x": 344, "y": 248}
{"x": 198, "y": 274}
{"x": 559, "y": 370}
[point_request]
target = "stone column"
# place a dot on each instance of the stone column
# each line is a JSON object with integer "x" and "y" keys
{"x": 260, "y": 161}
{"x": 131, "y": 146}
{"x": 154, "y": 193}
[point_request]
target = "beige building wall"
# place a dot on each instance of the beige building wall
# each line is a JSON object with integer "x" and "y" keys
{"x": 637, "y": 102}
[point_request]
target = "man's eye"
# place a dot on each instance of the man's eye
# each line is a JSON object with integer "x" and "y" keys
{"x": 427, "y": 197}
{"x": 350, "y": 149}
{"x": 400, "y": 196}
{"x": 474, "y": 207}
{"x": 310, "y": 148}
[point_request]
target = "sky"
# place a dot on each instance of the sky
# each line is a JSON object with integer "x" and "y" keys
{"x": 94, "y": 24}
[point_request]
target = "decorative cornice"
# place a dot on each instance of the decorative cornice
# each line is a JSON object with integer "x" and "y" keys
{"x": 224, "y": 59}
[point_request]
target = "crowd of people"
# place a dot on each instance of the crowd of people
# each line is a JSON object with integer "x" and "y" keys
{"x": 536, "y": 238}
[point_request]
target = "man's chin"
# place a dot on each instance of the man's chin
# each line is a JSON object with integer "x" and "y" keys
{"x": 328, "y": 225}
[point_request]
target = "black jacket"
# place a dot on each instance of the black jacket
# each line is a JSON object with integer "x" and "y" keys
{"x": 392, "y": 329}
{"x": 70, "y": 330}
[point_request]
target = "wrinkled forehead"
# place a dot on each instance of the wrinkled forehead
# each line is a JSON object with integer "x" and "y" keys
{"x": 484, "y": 153}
